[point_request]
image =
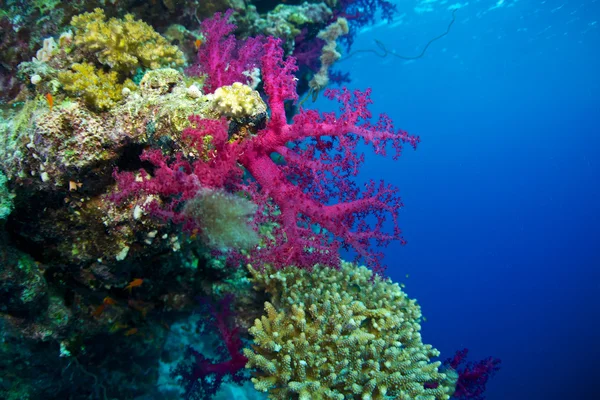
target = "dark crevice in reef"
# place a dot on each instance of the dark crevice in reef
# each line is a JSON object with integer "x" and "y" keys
{"x": 130, "y": 158}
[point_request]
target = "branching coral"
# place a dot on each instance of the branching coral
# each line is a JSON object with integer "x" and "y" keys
{"x": 332, "y": 334}
{"x": 124, "y": 44}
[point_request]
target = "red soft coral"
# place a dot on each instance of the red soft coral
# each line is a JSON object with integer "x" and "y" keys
{"x": 472, "y": 376}
{"x": 316, "y": 206}
{"x": 203, "y": 377}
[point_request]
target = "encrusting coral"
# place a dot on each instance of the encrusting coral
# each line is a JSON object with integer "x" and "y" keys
{"x": 341, "y": 334}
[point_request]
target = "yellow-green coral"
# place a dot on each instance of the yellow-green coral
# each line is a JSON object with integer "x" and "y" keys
{"x": 165, "y": 102}
{"x": 336, "y": 334}
{"x": 99, "y": 89}
{"x": 237, "y": 100}
{"x": 160, "y": 81}
{"x": 124, "y": 44}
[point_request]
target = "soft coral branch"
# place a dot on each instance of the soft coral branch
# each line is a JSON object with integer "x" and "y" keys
{"x": 203, "y": 378}
{"x": 320, "y": 163}
{"x": 472, "y": 376}
{"x": 310, "y": 199}
{"x": 223, "y": 59}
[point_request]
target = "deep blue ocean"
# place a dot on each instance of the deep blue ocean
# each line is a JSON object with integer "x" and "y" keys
{"x": 502, "y": 197}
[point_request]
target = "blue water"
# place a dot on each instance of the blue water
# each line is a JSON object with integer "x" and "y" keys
{"x": 502, "y": 197}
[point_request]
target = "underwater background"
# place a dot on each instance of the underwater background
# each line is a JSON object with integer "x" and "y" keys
{"x": 501, "y": 214}
{"x": 104, "y": 296}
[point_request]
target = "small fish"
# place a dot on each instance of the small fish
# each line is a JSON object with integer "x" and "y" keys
{"x": 50, "y": 100}
{"x": 140, "y": 306}
{"x": 99, "y": 310}
{"x": 109, "y": 301}
{"x": 117, "y": 327}
{"x": 198, "y": 43}
{"x": 134, "y": 283}
{"x": 131, "y": 331}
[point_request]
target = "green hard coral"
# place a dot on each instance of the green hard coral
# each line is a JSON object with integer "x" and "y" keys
{"x": 100, "y": 90}
{"x": 341, "y": 334}
{"x": 124, "y": 44}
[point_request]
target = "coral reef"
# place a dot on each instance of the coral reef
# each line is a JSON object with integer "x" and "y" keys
{"x": 340, "y": 334}
{"x": 48, "y": 147}
{"x": 286, "y": 21}
{"x": 58, "y": 162}
{"x": 128, "y": 189}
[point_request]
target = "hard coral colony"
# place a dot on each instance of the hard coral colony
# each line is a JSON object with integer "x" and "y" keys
{"x": 216, "y": 167}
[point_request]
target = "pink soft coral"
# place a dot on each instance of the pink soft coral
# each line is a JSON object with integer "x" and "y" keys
{"x": 223, "y": 59}
{"x": 316, "y": 206}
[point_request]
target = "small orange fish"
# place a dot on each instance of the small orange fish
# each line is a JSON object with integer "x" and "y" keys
{"x": 140, "y": 306}
{"x": 134, "y": 283}
{"x": 131, "y": 331}
{"x": 198, "y": 43}
{"x": 109, "y": 301}
{"x": 99, "y": 310}
{"x": 50, "y": 100}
